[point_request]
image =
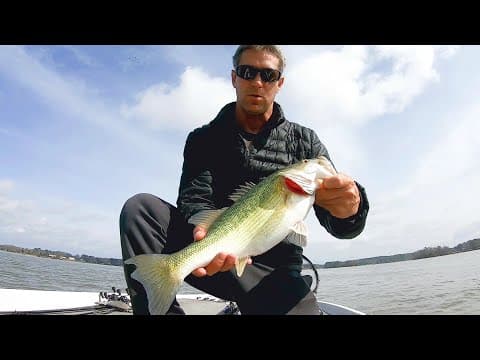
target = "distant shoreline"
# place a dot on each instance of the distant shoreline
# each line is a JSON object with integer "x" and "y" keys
{"x": 426, "y": 252}
{"x": 61, "y": 255}
{"x": 419, "y": 254}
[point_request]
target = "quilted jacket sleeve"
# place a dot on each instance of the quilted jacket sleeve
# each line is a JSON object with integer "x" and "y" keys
{"x": 340, "y": 228}
{"x": 195, "y": 190}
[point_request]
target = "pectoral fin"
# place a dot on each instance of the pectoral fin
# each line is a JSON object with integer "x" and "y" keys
{"x": 299, "y": 234}
{"x": 240, "y": 265}
{"x": 300, "y": 228}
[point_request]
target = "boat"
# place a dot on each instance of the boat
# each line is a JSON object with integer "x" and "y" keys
{"x": 116, "y": 302}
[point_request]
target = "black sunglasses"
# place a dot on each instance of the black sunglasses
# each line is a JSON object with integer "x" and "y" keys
{"x": 249, "y": 72}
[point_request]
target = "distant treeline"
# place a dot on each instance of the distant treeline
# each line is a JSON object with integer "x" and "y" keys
{"x": 419, "y": 254}
{"x": 61, "y": 255}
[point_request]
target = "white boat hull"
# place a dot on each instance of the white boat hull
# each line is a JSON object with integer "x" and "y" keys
{"x": 43, "y": 302}
{"x": 15, "y": 300}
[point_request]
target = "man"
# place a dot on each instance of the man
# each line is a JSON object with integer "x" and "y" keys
{"x": 247, "y": 141}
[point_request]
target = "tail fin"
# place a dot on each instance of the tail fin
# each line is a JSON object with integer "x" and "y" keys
{"x": 160, "y": 280}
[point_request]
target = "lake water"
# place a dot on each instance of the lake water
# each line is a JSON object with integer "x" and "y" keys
{"x": 441, "y": 285}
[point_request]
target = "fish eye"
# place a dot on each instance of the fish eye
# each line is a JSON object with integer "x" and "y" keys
{"x": 305, "y": 161}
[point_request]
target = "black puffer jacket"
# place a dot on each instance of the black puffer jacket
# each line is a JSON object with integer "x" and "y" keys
{"x": 216, "y": 162}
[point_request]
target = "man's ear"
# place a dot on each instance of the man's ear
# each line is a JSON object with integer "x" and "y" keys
{"x": 234, "y": 78}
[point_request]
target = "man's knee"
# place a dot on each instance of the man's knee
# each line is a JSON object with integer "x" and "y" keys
{"x": 132, "y": 208}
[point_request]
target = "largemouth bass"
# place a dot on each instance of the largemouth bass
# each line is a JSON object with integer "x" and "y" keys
{"x": 261, "y": 216}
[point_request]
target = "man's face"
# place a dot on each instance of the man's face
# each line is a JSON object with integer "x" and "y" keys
{"x": 256, "y": 96}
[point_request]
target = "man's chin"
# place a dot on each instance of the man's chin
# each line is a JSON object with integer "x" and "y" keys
{"x": 253, "y": 109}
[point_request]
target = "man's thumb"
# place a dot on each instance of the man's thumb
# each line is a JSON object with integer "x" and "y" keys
{"x": 198, "y": 233}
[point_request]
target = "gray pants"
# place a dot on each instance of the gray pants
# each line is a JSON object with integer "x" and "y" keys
{"x": 149, "y": 225}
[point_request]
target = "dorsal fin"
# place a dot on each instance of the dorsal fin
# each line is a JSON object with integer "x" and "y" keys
{"x": 242, "y": 190}
{"x": 205, "y": 218}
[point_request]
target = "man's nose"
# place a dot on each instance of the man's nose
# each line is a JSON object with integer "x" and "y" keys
{"x": 257, "y": 79}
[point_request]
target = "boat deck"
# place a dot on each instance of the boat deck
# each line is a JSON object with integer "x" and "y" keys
{"x": 190, "y": 306}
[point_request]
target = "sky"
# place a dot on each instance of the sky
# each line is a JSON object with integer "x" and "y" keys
{"x": 84, "y": 128}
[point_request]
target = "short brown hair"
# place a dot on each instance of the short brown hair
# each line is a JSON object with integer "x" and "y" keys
{"x": 272, "y": 49}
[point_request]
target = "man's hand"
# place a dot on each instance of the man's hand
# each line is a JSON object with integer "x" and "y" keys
{"x": 221, "y": 262}
{"x": 339, "y": 195}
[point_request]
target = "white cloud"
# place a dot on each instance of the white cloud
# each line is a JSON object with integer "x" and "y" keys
{"x": 59, "y": 225}
{"x": 457, "y": 154}
{"x": 412, "y": 70}
{"x": 195, "y": 101}
{"x": 355, "y": 84}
